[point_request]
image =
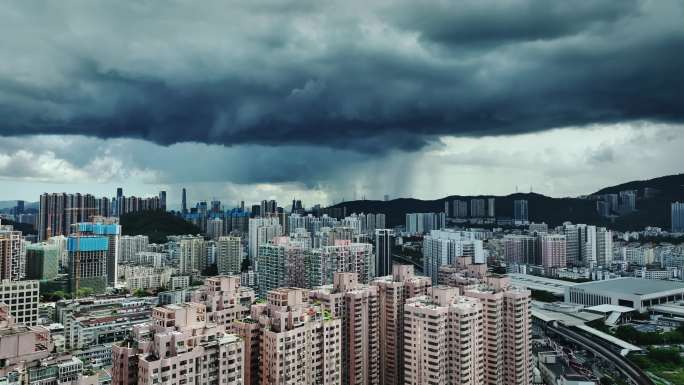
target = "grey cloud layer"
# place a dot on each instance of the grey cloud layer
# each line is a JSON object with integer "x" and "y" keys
{"x": 367, "y": 77}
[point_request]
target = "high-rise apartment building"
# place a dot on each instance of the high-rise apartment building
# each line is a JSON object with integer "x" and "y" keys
{"x": 179, "y": 346}
{"x": 225, "y": 299}
{"x": 393, "y": 291}
{"x": 192, "y": 253}
{"x": 520, "y": 211}
{"x": 12, "y": 254}
{"x": 677, "y": 217}
{"x": 443, "y": 339}
{"x": 281, "y": 263}
{"x": 130, "y": 245}
{"x": 261, "y": 231}
{"x": 215, "y": 228}
{"x": 442, "y": 247}
{"x": 604, "y": 247}
{"x": 162, "y": 200}
{"x": 109, "y": 228}
{"x": 60, "y": 242}
{"x": 21, "y": 298}
{"x": 552, "y": 249}
{"x": 384, "y": 243}
{"x": 507, "y": 354}
{"x": 301, "y": 341}
{"x": 521, "y": 249}
{"x": 628, "y": 201}
{"x": 344, "y": 256}
{"x": 58, "y": 211}
{"x": 229, "y": 255}
{"x": 477, "y": 208}
{"x": 184, "y": 201}
{"x": 357, "y": 305}
{"x": 42, "y": 261}
{"x": 87, "y": 262}
{"x": 422, "y": 223}
{"x": 491, "y": 208}
{"x": 460, "y": 209}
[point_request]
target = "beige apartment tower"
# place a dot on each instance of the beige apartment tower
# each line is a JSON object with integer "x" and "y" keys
{"x": 443, "y": 342}
{"x": 301, "y": 342}
{"x": 357, "y": 306}
{"x": 507, "y": 331}
{"x": 179, "y": 347}
{"x": 393, "y": 291}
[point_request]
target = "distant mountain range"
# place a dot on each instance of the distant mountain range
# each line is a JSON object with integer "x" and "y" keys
{"x": 651, "y": 211}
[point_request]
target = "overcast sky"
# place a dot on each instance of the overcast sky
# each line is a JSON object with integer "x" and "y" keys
{"x": 324, "y": 100}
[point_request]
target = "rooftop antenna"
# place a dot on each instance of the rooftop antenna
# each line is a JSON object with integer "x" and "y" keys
{"x": 516, "y": 188}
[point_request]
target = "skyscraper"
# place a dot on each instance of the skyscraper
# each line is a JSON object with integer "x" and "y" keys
{"x": 677, "y": 216}
{"x": 229, "y": 255}
{"x": 178, "y": 344}
{"x": 357, "y": 306}
{"x": 42, "y": 261}
{"x": 343, "y": 256}
{"x": 422, "y": 223}
{"x": 301, "y": 341}
{"x": 520, "y": 212}
{"x": 262, "y": 230}
{"x": 12, "y": 254}
{"x": 477, "y": 208}
{"x": 443, "y": 339}
{"x": 184, "y": 201}
{"x": 491, "y": 208}
{"x": 442, "y": 247}
{"x": 58, "y": 211}
{"x": 552, "y": 247}
{"x": 384, "y": 242}
{"x": 393, "y": 291}
{"x": 111, "y": 230}
{"x": 87, "y": 262}
{"x": 162, "y": 200}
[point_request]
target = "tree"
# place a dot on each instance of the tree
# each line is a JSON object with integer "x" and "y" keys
{"x": 139, "y": 293}
{"x": 84, "y": 292}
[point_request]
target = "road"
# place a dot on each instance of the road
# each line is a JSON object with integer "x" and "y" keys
{"x": 623, "y": 364}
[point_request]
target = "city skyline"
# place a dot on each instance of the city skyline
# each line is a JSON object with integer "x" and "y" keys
{"x": 332, "y": 101}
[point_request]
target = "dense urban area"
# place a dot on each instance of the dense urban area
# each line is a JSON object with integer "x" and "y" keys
{"x": 124, "y": 291}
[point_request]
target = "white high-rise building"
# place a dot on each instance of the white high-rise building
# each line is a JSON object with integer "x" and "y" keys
{"x": 215, "y": 228}
{"x": 345, "y": 256}
{"x": 229, "y": 255}
{"x": 604, "y": 247}
{"x": 442, "y": 247}
{"x": 130, "y": 246}
{"x": 422, "y": 223}
{"x": 677, "y": 217}
{"x": 192, "y": 253}
{"x": 261, "y": 231}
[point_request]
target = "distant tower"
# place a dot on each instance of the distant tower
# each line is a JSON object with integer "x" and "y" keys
{"x": 162, "y": 200}
{"x": 184, "y": 202}
{"x": 384, "y": 241}
{"x": 119, "y": 201}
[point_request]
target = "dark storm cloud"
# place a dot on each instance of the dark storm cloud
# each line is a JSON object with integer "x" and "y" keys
{"x": 369, "y": 78}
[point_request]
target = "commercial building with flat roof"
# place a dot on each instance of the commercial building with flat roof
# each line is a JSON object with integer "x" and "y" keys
{"x": 631, "y": 292}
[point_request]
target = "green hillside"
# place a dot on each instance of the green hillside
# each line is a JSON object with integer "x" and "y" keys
{"x": 156, "y": 224}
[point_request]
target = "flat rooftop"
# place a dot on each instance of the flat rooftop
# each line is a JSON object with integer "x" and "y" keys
{"x": 555, "y": 286}
{"x": 632, "y": 286}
